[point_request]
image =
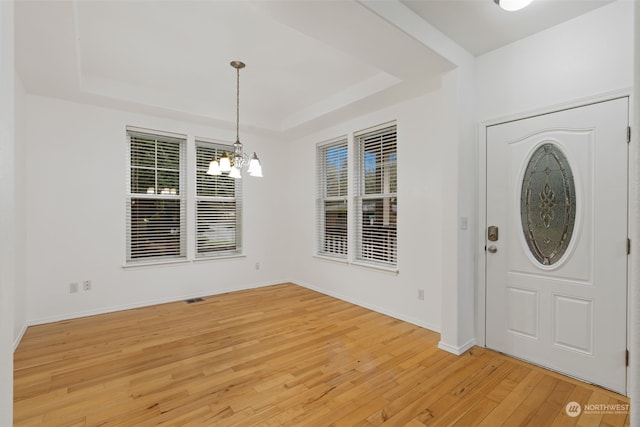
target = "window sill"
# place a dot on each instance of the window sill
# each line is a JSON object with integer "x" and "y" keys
{"x": 157, "y": 263}
{"x": 362, "y": 264}
{"x": 160, "y": 263}
{"x": 332, "y": 259}
{"x": 219, "y": 258}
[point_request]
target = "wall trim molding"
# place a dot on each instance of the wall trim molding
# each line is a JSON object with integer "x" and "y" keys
{"x": 554, "y": 108}
{"x": 457, "y": 350}
{"x": 17, "y": 339}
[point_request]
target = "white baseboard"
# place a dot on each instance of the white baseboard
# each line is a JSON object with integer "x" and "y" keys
{"x": 457, "y": 350}
{"x": 17, "y": 340}
{"x": 372, "y": 307}
{"x": 147, "y": 303}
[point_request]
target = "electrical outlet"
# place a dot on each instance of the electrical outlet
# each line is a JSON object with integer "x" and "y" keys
{"x": 73, "y": 287}
{"x": 464, "y": 223}
{"x": 421, "y": 294}
{"x": 86, "y": 285}
{"x": 257, "y": 266}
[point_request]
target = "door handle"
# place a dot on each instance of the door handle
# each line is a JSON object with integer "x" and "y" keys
{"x": 492, "y": 249}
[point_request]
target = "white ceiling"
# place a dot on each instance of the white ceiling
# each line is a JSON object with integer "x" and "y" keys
{"x": 480, "y": 26}
{"x": 308, "y": 61}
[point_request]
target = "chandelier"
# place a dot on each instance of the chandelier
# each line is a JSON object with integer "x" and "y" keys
{"x": 233, "y": 164}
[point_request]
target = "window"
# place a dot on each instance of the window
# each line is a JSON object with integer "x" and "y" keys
{"x": 332, "y": 199}
{"x": 548, "y": 204}
{"x": 376, "y": 196}
{"x": 155, "y": 199}
{"x": 218, "y": 206}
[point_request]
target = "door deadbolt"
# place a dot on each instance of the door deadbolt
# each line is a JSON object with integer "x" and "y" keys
{"x": 492, "y": 233}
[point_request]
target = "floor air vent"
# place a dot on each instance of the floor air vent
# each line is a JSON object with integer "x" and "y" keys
{"x": 192, "y": 300}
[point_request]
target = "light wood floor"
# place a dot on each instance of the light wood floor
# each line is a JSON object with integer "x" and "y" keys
{"x": 278, "y": 356}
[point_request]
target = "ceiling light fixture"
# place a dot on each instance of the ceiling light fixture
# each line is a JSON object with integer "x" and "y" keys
{"x": 232, "y": 165}
{"x": 512, "y": 5}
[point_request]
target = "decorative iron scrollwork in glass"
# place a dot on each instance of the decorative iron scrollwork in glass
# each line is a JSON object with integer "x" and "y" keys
{"x": 548, "y": 204}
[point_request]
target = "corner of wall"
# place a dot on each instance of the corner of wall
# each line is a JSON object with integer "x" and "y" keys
{"x": 7, "y": 212}
{"x": 634, "y": 268}
{"x": 458, "y": 293}
{"x": 20, "y": 291}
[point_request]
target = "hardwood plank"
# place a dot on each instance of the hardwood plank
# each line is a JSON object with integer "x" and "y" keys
{"x": 280, "y": 355}
{"x": 461, "y": 399}
{"x": 553, "y": 405}
{"x": 415, "y": 403}
{"x": 487, "y": 403}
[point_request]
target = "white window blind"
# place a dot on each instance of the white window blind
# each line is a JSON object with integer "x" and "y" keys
{"x": 155, "y": 198}
{"x": 218, "y": 206}
{"x": 333, "y": 186}
{"x": 376, "y": 196}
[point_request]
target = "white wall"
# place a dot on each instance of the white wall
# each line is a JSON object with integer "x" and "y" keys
{"x": 419, "y": 218}
{"x": 75, "y": 186}
{"x": 8, "y": 283}
{"x": 20, "y": 292}
{"x": 589, "y": 55}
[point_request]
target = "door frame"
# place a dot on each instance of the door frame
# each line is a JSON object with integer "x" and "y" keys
{"x": 633, "y": 205}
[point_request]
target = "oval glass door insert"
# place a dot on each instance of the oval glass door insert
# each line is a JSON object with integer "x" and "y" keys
{"x": 548, "y": 204}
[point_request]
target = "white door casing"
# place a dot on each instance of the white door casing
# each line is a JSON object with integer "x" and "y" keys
{"x": 560, "y": 302}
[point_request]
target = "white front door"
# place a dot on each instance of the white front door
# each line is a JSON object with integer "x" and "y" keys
{"x": 556, "y": 261}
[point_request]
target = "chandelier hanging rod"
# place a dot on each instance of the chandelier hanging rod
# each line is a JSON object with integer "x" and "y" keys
{"x": 238, "y": 65}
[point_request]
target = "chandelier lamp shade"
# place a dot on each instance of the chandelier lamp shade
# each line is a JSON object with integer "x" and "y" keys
{"x": 232, "y": 164}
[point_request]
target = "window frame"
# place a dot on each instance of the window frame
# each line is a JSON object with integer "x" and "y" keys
{"x": 339, "y": 249}
{"x": 216, "y": 148}
{"x": 169, "y": 194}
{"x": 382, "y": 234}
